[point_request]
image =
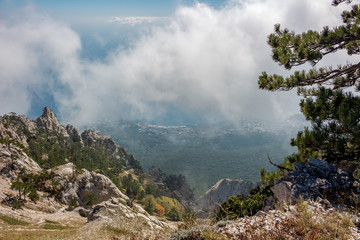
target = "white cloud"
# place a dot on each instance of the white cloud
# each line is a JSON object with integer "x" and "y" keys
{"x": 32, "y": 47}
{"x": 205, "y": 62}
{"x": 135, "y": 20}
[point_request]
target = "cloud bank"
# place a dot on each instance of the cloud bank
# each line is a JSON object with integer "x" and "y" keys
{"x": 205, "y": 62}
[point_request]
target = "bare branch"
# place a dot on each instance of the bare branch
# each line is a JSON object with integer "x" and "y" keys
{"x": 278, "y": 166}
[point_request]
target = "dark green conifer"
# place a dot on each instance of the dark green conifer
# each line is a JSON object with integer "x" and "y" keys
{"x": 329, "y": 101}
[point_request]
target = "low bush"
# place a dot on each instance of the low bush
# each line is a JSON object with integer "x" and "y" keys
{"x": 241, "y": 206}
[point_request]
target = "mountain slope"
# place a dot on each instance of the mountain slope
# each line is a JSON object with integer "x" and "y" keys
{"x": 54, "y": 198}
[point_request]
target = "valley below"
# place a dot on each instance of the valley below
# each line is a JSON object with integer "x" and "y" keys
{"x": 206, "y": 153}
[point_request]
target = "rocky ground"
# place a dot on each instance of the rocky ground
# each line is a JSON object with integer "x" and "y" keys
{"x": 111, "y": 218}
{"x": 49, "y": 219}
{"x": 307, "y": 220}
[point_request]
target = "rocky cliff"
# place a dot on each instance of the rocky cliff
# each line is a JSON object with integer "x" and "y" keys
{"x": 66, "y": 195}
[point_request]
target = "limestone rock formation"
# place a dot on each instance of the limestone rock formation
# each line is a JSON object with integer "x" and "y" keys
{"x": 114, "y": 207}
{"x": 13, "y": 159}
{"x": 76, "y": 185}
{"x": 9, "y": 128}
{"x": 74, "y": 134}
{"x": 222, "y": 190}
{"x": 92, "y": 138}
{"x": 318, "y": 179}
{"x": 48, "y": 122}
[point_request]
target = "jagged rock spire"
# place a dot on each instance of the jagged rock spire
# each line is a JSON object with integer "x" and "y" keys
{"x": 49, "y": 123}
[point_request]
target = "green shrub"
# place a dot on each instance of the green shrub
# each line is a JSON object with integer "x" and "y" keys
{"x": 149, "y": 203}
{"x": 241, "y": 206}
{"x": 17, "y": 204}
{"x": 73, "y": 204}
{"x": 92, "y": 199}
{"x": 174, "y": 214}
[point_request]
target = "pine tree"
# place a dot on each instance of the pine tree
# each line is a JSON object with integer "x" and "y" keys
{"x": 329, "y": 104}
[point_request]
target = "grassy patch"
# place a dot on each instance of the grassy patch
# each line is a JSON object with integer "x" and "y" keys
{"x": 56, "y": 227}
{"x": 13, "y": 221}
{"x": 119, "y": 231}
{"x": 122, "y": 202}
{"x": 50, "y": 222}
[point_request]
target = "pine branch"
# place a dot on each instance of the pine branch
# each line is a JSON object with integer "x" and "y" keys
{"x": 279, "y": 166}
{"x": 337, "y": 2}
{"x": 343, "y": 76}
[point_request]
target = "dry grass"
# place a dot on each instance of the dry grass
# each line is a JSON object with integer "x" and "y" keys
{"x": 303, "y": 222}
{"x": 196, "y": 230}
{"x": 13, "y": 228}
{"x": 315, "y": 224}
{"x": 36, "y": 234}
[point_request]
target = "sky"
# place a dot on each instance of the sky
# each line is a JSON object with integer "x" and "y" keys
{"x": 165, "y": 61}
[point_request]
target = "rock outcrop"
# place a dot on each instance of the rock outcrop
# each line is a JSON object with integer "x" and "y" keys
{"x": 92, "y": 138}
{"x": 13, "y": 127}
{"x": 13, "y": 160}
{"x": 48, "y": 122}
{"x": 74, "y": 134}
{"x": 115, "y": 207}
{"x": 77, "y": 184}
{"x": 222, "y": 190}
{"x": 318, "y": 179}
